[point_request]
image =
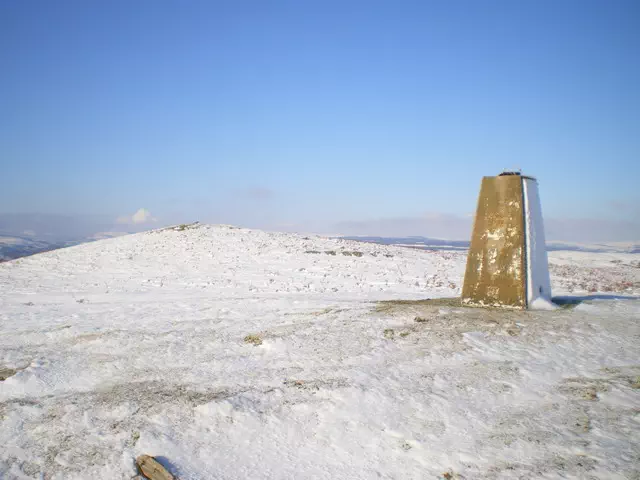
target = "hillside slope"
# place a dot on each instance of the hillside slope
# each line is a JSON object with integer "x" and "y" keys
{"x": 234, "y": 354}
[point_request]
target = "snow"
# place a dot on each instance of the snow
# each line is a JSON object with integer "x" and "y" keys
{"x": 538, "y": 282}
{"x": 103, "y": 235}
{"x": 135, "y": 345}
{"x": 542, "y": 304}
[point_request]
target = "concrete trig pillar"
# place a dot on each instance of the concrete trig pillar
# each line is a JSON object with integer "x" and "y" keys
{"x": 507, "y": 263}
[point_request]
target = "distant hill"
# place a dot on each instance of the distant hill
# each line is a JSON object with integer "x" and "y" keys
{"x": 25, "y": 234}
{"x": 12, "y": 247}
{"x": 611, "y": 247}
{"x": 416, "y": 242}
{"x": 427, "y": 243}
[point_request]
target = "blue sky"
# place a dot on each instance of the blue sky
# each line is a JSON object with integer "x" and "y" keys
{"x": 375, "y": 117}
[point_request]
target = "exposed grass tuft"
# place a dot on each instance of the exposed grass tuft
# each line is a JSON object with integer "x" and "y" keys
{"x": 254, "y": 339}
{"x": 354, "y": 253}
{"x": 178, "y": 228}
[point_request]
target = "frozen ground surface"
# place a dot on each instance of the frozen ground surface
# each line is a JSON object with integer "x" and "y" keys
{"x": 137, "y": 345}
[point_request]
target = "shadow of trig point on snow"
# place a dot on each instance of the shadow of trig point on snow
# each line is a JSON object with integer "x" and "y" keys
{"x": 507, "y": 264}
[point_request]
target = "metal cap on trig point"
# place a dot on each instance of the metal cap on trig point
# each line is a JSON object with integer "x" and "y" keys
{"x": 507, "y": 263}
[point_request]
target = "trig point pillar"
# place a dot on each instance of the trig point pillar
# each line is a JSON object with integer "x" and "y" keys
{"x": 507, "y": 264}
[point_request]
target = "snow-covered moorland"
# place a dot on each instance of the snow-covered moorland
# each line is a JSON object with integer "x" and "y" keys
{"x": 234, "y": 354}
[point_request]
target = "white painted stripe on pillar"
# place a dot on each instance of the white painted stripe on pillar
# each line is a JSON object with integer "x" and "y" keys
{"x": 538, "y": 281}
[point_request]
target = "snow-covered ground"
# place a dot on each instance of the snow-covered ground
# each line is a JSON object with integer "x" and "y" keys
{"x": 233, "y": 354}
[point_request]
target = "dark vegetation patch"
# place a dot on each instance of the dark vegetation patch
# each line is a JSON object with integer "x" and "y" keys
{"x": 253, "y": 339}
{"x": 448, "y": 319}
{"x": 346, "y": 253}
{"x": 317, "y": 384}
{"x": 6, "y": 373}
{"x": 564, "y": 302}
{"x": 179, "y": 228}
{"x": 389, "y": 306}
{"x": 186, "y": 226}
{"x": 596, "y": 279}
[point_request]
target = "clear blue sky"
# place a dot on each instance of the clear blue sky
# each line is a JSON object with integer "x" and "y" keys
{"x": 311, "y": 113}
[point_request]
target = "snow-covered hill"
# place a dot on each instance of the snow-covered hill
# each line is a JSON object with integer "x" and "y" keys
{"x": 232, "y": 354}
